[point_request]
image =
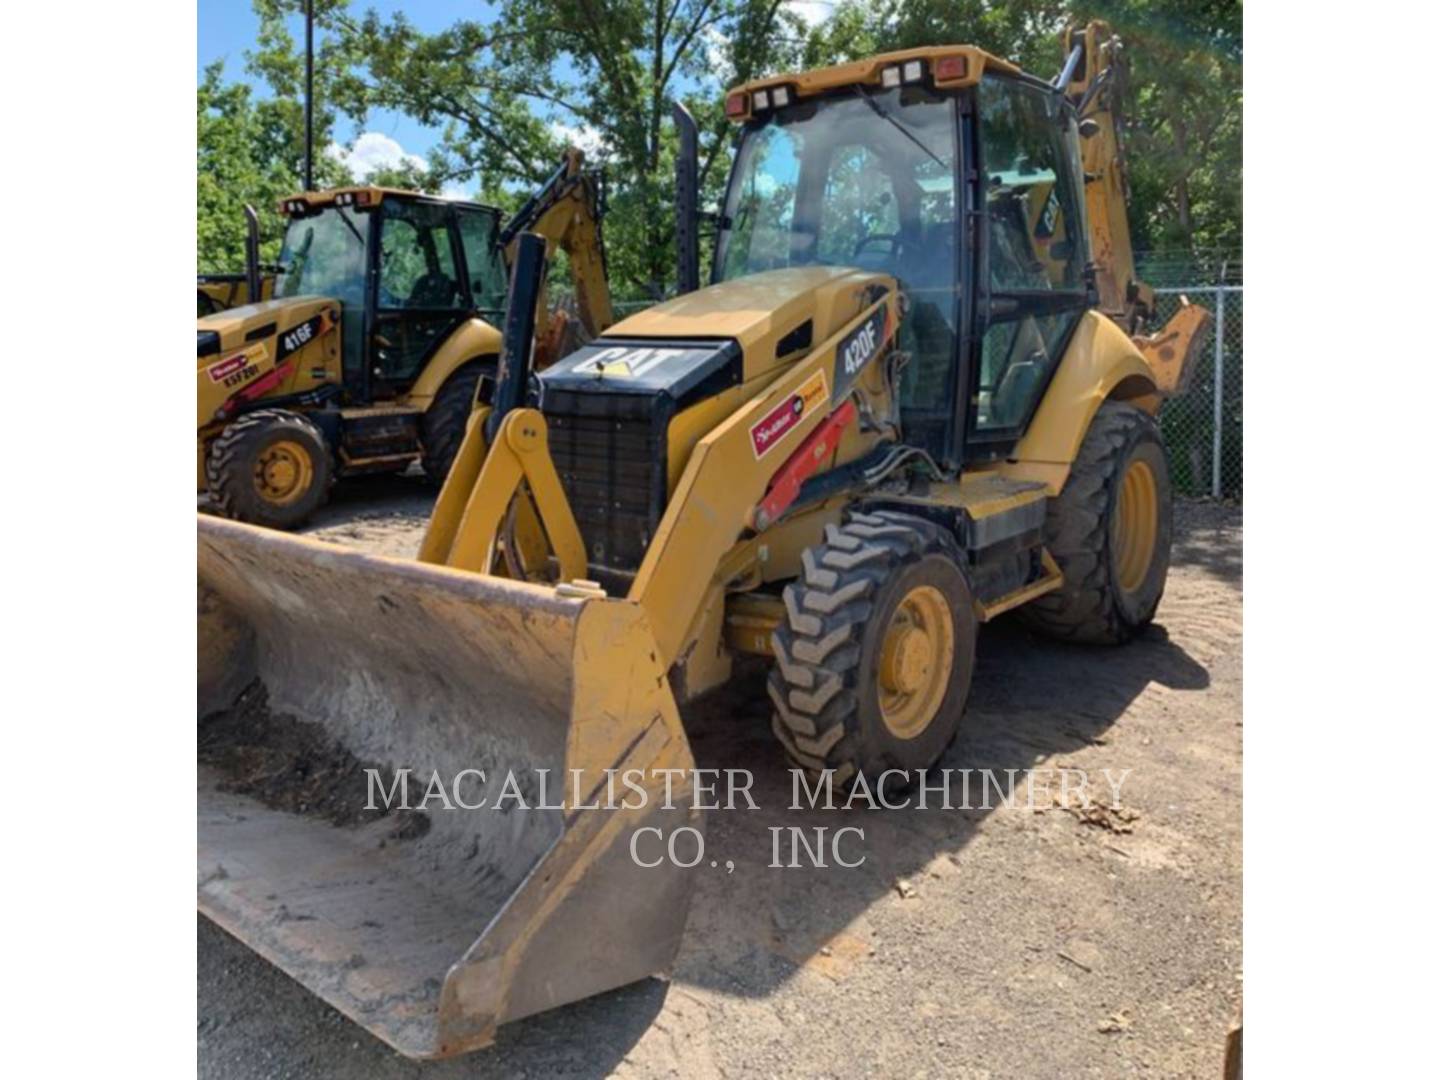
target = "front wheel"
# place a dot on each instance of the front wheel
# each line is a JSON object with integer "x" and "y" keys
{"x": 874, "y": 658}
{"x": 1109, "y": 531}
{"x": 270, "y": 467}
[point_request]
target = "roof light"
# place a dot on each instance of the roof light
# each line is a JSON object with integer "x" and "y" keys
{"x": 914, "y": 70}
{"x": 781, "y": 96}
{"x": 890, "y": 77}
{"x": 345, "y": 198}
{"x": 735, "y": 105}
{"x": 762, "y": 99}
{"x": 951, "y": 67}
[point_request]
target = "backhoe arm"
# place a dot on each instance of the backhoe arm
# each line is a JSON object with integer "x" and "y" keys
{"x": 1097, "y": 88}
{"x": 567, "y": 213}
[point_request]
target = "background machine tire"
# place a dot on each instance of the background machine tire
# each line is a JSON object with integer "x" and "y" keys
{"x": 443, "y": 426}
{"x": 270, "y": 467}
{"x": 874, "y": 658}
{"x": 1109, "y": 530}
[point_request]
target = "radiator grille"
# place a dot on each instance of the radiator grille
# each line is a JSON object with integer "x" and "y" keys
{"x": 613, "y": 472}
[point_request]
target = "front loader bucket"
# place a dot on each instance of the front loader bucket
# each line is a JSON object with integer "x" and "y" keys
{"x": 431, "y": 926}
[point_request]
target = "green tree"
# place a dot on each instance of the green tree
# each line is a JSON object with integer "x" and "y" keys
{"x": 509, "y": 91}
{"x": 250, "y": 146}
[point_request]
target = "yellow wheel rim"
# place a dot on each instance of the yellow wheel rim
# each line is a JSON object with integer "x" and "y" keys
{"x": 1137, "y": 521}
{"x": 283, "y": 472}
{"x": 916, "y": 656}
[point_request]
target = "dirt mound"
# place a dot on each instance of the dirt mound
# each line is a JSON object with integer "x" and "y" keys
{"x": 293, "y": 765}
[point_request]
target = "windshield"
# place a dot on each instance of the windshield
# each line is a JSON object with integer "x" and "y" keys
{"x": 324, "y": 255}
{"x": 866, "y": 180}
{"x": 863, "y": 179}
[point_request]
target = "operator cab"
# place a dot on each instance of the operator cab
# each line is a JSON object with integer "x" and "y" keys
{"x": 406, "y": 269}
{"x": 876, "y": 165}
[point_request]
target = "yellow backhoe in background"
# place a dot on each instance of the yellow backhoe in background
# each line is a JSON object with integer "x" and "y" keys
{"x": 220, "y": 292}
{"x": 367, "y": 356}
{"x": 916, "y": 394}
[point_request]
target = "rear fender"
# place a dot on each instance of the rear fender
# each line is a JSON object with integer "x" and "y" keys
{"x": 472, "y": 340}
{"x": 1100, "y": 363}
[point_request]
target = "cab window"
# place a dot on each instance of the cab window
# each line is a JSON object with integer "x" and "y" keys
{"x": 417, "y": 265}
{"x": 484, "y": 261}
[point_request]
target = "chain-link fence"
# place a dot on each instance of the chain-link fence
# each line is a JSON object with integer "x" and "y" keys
{"x": 1202, "y": 428}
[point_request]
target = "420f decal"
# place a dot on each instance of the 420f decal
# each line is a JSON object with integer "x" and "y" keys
{"x": 858, "y": 348}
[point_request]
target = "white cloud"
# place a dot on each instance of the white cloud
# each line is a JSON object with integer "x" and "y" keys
{"x": 813, "y": 12}
{"x": 456, "y": 190}
{"x": 371, "y": 151}
{"x": 583, "y": 136}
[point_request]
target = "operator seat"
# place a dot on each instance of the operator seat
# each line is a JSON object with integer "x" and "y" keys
{"x": 433, "y": 291}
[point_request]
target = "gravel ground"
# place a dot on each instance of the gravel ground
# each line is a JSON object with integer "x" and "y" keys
{"x": 971, "y": 943}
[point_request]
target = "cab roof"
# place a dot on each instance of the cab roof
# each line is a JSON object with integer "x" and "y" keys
{"x": 366, "y": 195}
{"x": 964, "y": 67}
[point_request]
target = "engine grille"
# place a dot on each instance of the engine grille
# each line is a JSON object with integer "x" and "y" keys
{"x": 613, "y": 471}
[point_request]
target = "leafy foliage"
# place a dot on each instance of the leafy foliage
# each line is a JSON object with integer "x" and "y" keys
{"x": 250, "y": 149}
{"x": 509, "y": 89}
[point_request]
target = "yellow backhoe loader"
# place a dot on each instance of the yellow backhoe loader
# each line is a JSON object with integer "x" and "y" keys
{"x": 914, "y": 395}
{"x": 379, "y": 329}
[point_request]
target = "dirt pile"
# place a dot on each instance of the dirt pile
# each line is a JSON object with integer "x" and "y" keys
{"x": 293, "y": 765}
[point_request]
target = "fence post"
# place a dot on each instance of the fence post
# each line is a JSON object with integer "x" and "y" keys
{"x": 1218, "y": 442}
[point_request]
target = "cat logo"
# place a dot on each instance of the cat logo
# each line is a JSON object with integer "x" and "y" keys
{"x": 628, "y": 361}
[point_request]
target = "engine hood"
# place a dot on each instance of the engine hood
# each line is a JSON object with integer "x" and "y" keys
{"x": 766, "y": 313}
{"x": 241, "y": 326}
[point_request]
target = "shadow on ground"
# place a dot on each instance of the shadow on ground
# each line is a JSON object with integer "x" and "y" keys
{"x": 755, "y": 928}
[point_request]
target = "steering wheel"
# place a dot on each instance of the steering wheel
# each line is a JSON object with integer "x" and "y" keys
{"x": 893, "y": 239}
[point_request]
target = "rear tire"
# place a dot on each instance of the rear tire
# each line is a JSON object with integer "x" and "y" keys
{"x": 271, "y": 467}
{"x": 442, "y": 428}
{"x": 874, "y": 658}
{"x": 1109, "y": 530}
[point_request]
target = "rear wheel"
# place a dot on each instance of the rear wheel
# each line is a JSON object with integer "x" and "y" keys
{"x": 1109, "y": 531}
{"x": 874, "y": 658}
{"x": 442, "y": 428}
{"x": 271, "y": 467}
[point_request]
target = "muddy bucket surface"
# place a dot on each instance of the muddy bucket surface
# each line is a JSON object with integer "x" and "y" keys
{"x": 324, "y": 675}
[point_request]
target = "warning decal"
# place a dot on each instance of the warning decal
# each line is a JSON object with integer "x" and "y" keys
{"x": 769, "y": 431}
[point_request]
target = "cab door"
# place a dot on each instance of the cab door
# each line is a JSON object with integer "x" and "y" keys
{"x": 421, "y": 294}
{"x": 1032, "y": 286}
{"x": 484, "y": 261}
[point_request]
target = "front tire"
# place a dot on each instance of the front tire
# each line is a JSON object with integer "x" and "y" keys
{"x": 271, "y": 467}
{"x": 1110, "y": 531}
{"x": 874, "y": 658}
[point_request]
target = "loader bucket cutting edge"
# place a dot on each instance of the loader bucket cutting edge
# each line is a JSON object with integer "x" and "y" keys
{"x": 431, "y": 937}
